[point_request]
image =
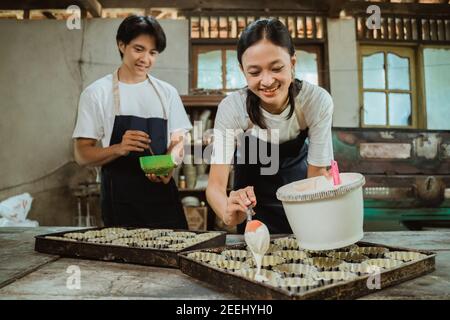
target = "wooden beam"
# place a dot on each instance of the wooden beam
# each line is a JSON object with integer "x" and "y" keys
{"x": 201, "y": 100}
{"x": 332, "y": 7}
{"x": 34, "y": 4}
{"x": 294, "y": 5}
{"x": 48, "y": 15}
{"x": 93, "y": 7}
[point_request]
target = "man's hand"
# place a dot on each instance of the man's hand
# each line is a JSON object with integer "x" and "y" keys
{"x": 133, "y": 140}
{"x": 164, "y": 179}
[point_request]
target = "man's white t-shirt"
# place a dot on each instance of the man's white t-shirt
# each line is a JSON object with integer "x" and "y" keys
{"x": 314, "y": 104}
{"x": 96, "y": 107}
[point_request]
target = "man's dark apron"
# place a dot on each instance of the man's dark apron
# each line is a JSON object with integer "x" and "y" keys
{"x": 128, "y": 197}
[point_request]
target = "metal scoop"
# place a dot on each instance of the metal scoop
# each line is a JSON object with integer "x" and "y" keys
{"x": 250, "y": 213}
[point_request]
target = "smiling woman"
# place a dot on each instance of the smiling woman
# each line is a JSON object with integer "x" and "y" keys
{"x": 134, "y": 114}
{"x": 291, "y": 110}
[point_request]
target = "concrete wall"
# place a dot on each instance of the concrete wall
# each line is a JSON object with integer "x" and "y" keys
{"x": 44, "y": 67}
{"x": 343, "y": 61}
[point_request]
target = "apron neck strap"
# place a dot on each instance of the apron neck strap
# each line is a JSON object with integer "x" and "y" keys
{"x": 116, "y": 94}
{"x": 298, "y": 114}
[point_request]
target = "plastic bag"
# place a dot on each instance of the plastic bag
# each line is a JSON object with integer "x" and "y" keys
{"x": 14, "y": 211}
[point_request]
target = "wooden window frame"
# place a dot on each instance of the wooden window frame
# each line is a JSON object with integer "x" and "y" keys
{"x": 197, "y": 48}
{"x": 402, "y": 51}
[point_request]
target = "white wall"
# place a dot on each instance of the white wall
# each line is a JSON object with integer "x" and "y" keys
{"x": 44, "y": 67}
{"x": 343, "y": 62}
{"x": 39, "y": 88}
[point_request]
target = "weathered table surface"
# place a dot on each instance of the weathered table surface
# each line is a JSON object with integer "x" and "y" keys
{"x": 26, "y": 274}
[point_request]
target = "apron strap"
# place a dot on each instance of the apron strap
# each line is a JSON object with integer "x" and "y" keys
{"x": 116, "y": 94}
{"x": 298, "y": 114}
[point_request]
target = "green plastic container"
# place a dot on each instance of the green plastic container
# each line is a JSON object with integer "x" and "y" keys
{"x": 159, "y": 165}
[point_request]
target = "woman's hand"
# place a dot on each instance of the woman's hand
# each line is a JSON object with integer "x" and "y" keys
{"x": 237, "y": 203}
{"x": 164, "y": 179}
{"x": 133, "y": 140}
{"x": 314, "y": 171}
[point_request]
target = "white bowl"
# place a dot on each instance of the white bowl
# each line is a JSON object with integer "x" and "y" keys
{"x": 190, "y": 201}
{"x": 322, "y": 216}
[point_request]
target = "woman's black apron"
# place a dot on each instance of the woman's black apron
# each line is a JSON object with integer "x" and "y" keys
{"x": 292, "y": 167}
{"x": 128, "y": 197}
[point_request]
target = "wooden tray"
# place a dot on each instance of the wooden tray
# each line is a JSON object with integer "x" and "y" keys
{"x": 125, "y": 254}
{"x": 249, "y": 289}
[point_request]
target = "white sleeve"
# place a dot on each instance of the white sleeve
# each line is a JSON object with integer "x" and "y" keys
{"x": 89, "y": 121}
{"x": 319, "y": 118}
{"x": 178, "y": 118}
{"x": 225, "y": 126}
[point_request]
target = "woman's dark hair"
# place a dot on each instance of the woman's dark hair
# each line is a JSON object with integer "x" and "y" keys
{"x": 133, "y": 26}
{"x": 276, "y": 32}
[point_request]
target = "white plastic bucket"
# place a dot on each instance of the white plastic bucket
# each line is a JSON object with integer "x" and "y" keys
{"x": 322, "y": 216}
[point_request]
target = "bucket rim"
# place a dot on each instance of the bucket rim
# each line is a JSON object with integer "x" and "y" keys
{"x": 287, "y": 193}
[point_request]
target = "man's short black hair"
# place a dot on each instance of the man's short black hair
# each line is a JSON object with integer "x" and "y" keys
{"x": 133, "y": 26}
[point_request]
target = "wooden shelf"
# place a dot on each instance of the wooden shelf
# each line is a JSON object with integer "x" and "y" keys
{"x": 191, "y": 190}
{"x": 202, "y": 101}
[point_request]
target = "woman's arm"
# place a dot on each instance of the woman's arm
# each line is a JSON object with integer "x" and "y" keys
{"x": 216, "y": 191}
{"x": 318, "y": 115}
{"x": 231, "y": 209}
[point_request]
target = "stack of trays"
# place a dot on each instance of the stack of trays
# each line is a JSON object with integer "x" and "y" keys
{"x": 289, "y": 272}
{"x": 158, "y": 247}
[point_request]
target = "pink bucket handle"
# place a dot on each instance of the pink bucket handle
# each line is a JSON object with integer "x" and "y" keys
{"x": 335, "y": 173}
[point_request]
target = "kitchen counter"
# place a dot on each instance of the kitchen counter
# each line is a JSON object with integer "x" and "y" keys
{"x": 26, "y": 274}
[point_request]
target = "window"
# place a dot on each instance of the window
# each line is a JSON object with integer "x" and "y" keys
{"x": 217, "y": 67}
{"x": 388, "y": 87}
{"x": 436, "y": 64}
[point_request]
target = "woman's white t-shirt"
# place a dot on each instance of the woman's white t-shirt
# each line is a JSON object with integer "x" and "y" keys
{"x": 314, "y": 105}
{"x": 96, "y": 107}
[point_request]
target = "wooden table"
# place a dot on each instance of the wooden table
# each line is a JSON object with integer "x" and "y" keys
{"x": 26, "y": 274}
